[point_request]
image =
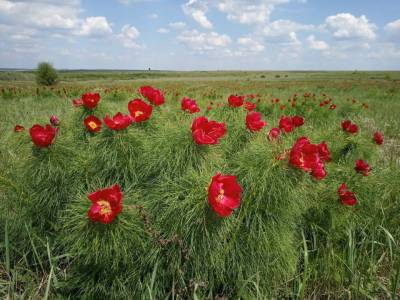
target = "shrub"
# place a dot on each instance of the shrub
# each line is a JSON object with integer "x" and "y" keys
{"x": 46, "y": 74}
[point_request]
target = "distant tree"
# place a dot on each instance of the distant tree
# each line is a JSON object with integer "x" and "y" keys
{"x": 46, "y": 74}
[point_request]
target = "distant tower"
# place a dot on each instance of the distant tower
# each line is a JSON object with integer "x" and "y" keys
{"x": 149, "y": 69}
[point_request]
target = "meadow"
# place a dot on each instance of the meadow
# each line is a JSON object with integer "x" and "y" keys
{"x": 292, "y": 232}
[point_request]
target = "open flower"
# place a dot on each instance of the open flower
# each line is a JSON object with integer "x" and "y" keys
{"x": 250, "y": 106}
{"x": 273, "y": 134}
{"x": 235, "y": 101}
{"x": 118, "y": 122}
{"x": 206, "y": 132}
{"x": 189, "y": 105}
{"x": 92, "y": 123}
{"x": 106, "y": 204}
{"x": 140, "y": 111}
{"x": 42, "y": 136}
{"x": 286, "y": 124}
{"x": 349, "y": 127}
{"x": 153, "y": 95}
{"x": 90, "y": 100}
{"x": 310, "y": 157}
{"x": 224, "y": 194}
{"x": 254, "y": 121}
{"x": 346, "y": 197}
{"x": 378, "y": 138}
{"x": 362, "y": 167}
{"x": 19, "y": 128}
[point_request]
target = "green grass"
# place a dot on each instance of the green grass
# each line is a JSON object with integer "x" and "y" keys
{"x": 290, "y": 238}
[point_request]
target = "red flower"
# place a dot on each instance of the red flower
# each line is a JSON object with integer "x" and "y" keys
{"x": 224, "y": 194}
{"x": 140, "y": 111}
{"x": 19, "y": 128}
{"x": 42, "y": 136}
{"x": 106, "y": 204}
{"x": 333, "y": 106}
{"x": 324, "y": 152}
{"x": 153, "y": 95}
{"x": 346, "y": 197}
{"x": 206, "y": 132}
{"x": 92, "y": 123}
{"x": 362, "y": 167}
{"x": 189, "y": 105}
{"x": 378, "y": 137}
{"x": 286, "y": 124}
{"x": 249, "y": 106}
{"x": 254, "y": 121}
{"x": 297, "y": 121}
{"x": 307, "y": 156}
{"x": 235, "y": 101}
{"x": 54, "y": 120}
{"x": 77, "y": 102}
{"x": 90, "y": 100}
{"x": 349, "y": 127}
{"x": 273, "y": 134}
{"x": 118, "y": 122}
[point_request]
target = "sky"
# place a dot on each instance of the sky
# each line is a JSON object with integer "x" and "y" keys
{"x": 201, "y": 34}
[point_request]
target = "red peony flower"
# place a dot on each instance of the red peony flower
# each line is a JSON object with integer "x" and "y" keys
{"x": 309, "y": 157}
{"x": 362, "y": 167}
{"x": 43, "y": 136}
{"x": 346, "y": 197}
{"x": 254, "y": 121}
{"x": 90, "y": 100}
{"x": 19, "y": 128}
{"x": 250, "y": 106}
{"x": 153, "y": 95}
{"x": 190, "y": 105}
{"x": 297, "y": 121}
{"x": 349, "y": 127}
{"x": 273, "y": 134}
{"x": 118, "y": 122}
{"x": 286, "y": 124}
{"x": 54, "y": 120}
{"x": 235, "y": 101}
{"x": 378, "y": 137}
{"x": 206, "y": 132}
{"x": 92, "y": 123}
{"x": 140, "y": 111}
{"x": 324, "y": 152}
{"x": 224, "y": 194}
{"x": 106, "y": 204}
{"x": 333, "y": 106}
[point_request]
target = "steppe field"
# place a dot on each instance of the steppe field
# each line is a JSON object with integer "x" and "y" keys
{"x": 288, "y": 188}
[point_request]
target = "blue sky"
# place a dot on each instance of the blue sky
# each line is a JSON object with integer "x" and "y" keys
{"x": 201, "y": 34}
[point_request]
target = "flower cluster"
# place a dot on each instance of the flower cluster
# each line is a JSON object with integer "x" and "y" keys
{"x": 349, "y": 127}
{"x": 189, "y": 105}
{"x": 310, "y": 157}
{"x": 207, "y": 132}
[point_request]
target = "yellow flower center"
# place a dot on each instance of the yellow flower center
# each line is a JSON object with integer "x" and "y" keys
{"x": 220, "y": 197}
{"x": 92, "y": 125}
{"x": 138, "y": 113}
{"x": 105, "y": 207}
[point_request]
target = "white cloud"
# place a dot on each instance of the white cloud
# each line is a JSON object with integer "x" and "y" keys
{"x": 317, "y": 45}
{"x": 251, "y": 44}
{"x": 200, "y": 41}
{"x": 128, "y": 36}
{"x": 95, "y": 26}
{"x": 393, "y": 30}
{"x": 249, "y": 12}
{"x": 345, "y": 26}
{"x": 162, "y": 30}
{"x": 197, "y": 10}
{"x": 284, "y": 31}
{"x": 177, "y": 25}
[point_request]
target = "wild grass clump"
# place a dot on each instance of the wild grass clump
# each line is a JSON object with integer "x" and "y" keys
{"x": 290, "y": 236}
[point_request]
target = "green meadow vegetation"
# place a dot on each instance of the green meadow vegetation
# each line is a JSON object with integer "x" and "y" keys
{"x": 291, "y": 237}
